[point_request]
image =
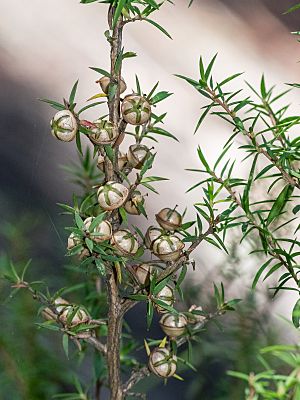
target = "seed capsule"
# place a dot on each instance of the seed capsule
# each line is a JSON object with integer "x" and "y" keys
{"x": 142, "y": 273}
{"x": 173, "y": 325}
{"x": 69, "y": 314}
{"x": 167, "y": 248}
{"x": 105, "y": 81}
{"x": 136, "y": 110}
{"x": 169, "y": 219}
{"x": 194, "y": 318}
{"x": 112, "y": 195}
{"x": 73, "y": 241}
{"x": 64, "y": 126}
{"x": 151, "y": 235}
{"x": 103, "y": 132}
{"x": 122, "y": 160}
{"x": 167, "y": 296}
{"x": 104, "y": 229}
{"x": 131, "y": 205}
{"x": 162, "y": 363}
{"x": 125, "y": 243}
{"x": 137, "y": 155}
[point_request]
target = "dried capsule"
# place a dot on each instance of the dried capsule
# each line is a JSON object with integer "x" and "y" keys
{"x": 167, "y": 248}
{"x": 195, "y": 316}
{"x": 112, "y": 195}
{"x": 151, "y": 235}
{"x": 137, "y": 155}
{"x": 105, "y": 81}
{"x": 162, "y": 362}
{"x": 169, "y": 219}
{"x": 103, "y": 229}
{"x": 125, "y": 243}
{"x": 70, "y": 314}
{"x": 142, "y": 273}
{"x": 136, "y": 110}
{"x": 173, "y": 325}
{"x": 122, "y": 160}
{"x": 73, "y": 241}
{"x": 64, "y": 126}
{"x": 166, "y": 295}
{"x": 103, "y": 132}
{"x": 132, "y": 205}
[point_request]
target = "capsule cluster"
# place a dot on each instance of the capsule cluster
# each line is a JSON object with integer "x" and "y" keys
{"x": 163, "y": 241}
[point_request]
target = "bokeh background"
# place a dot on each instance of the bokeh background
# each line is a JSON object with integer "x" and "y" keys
{"x": 45, "y": 46}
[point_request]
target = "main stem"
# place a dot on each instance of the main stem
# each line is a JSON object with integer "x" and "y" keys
{"x": 115, "y": 315}
{"x": 113, "y": 339}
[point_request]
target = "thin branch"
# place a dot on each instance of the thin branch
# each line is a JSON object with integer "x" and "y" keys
{"x": 142, "y": 373}
{"x": 275, "y": 160}
{"x": 270, "y": 238}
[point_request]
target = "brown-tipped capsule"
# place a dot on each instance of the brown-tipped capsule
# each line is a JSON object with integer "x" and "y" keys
{"x": 166, "y": 295}
{"x": 74, "y": 240}
{"x": 124, "y": 242}
{"x": 142, "y": 273}
{"x": 70, "y": 314}
{"x": 112, "y": 195}
{"x": 169, "y": 219}
{"x": 137, "y": 155}
{"x": 167, "y": 248}
{"x": 103, "y": 230}
{"x": 195, "y": 316}
{"x": 162, "y": 362}
{"x": 173, "y": 325}
{"x": 136, "y": 110}
{"x": 122, "y": 160}
{"x": 105, "y": 81}
{"x": 64, "y": 126}
{"x": 132, "y": 205}
{"x": 151, "y": 235}
{"x": 103, "y": 132}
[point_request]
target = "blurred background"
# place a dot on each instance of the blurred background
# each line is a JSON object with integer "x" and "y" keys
{"x": 45, "y": 46}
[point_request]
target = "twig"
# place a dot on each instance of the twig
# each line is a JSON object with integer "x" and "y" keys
{"x": 287, "y": 177}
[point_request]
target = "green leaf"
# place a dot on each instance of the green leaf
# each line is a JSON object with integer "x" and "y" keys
{"x": 163, "y": 132}
{"x": 65, "y": 340}
{"x": 259, "y": 273}
{"x": 123, "y": 214}
{"x": 150, "y": 310}
{"x": 138, "y": 86}
{"x": 90, "y": 244}
{"x": 138, "y": 297}
{"x": 157, "y": 26}
{"x": 209, "y": 68}
{"x": 153, "y": 179}
{"x": 101, "y": 71}
{"x": 90, "y": 106}
{"x": 100, "y": 266}
{"x": 296, "y": 209}
{"x": 160, "y": 286}
{"x": 54, "y": 104}
{"x": 109, "y": 152}
{"x": 78, "y": 142}
{"x": 203, "y": 160}
{"x": 296, "y": 314}
{"x": 230, "y": 78}
{"x": 201, "y": 69}
{"x": 292, "y": 9}
{"x": 78, "y": 220}
{"x": 280, "y": 203}
{"x": 118, "y": 11}
{"x": 73, "y": 93}
{"x": 160, "y": 96}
